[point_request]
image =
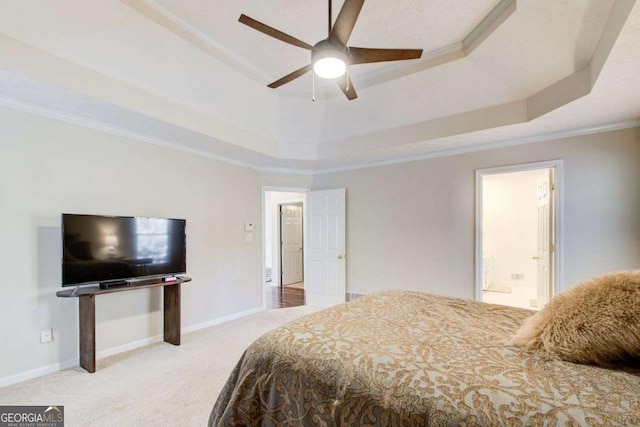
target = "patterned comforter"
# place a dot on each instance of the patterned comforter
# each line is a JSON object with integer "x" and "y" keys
{"x": 407, "y": 358}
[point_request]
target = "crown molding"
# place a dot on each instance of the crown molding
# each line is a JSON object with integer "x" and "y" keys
{"x": 490, "y": 146}
{"x": 290, "y": 171}
{"x": 489, "y": 23}
{"x": 91, "y": 124}
{"x": 166, "y": 19}
{"x": 444, "y": 55}
{"x": 95, "y": 125}
{"x": 169, "y": 21}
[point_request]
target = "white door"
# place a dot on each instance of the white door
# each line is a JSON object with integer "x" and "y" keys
{"x": 291, "y": 243}
{"x": 325, "y": 270}
{"x": 545, "y": 237}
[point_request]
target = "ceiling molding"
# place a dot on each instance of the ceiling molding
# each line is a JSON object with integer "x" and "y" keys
{"x": 506, "y": 114}
{"x": 35, "y": 63}
{"x": 434, "y": 58}
{"x": 618, "y": 16}
{"x": 46, "y": 67}
{"x": 95, "y": 125}
{"x": 561, "y": 93}
{"x": 91, "y": 124}
{"x": 430, "y": 59}
{"x": 489, "y": 146}
{"x": 573, "y": 87}
{"x": 182, "y": 29}
{"x": 444, "y": 55}
{"x": 488, "y": 25}
{"x": 290, "y": 171}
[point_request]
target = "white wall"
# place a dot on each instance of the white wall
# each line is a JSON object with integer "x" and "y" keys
{"x": 510, "y": 224}
{"x": 48, "y": 167}
{"x": 411, "y": 225}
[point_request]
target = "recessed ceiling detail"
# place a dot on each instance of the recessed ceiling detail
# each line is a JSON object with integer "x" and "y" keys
{"x": 432, "y": 58}
{"x": 519, "y": 75}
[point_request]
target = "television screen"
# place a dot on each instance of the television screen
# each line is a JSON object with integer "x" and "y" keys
{"x": 109, "y": 248}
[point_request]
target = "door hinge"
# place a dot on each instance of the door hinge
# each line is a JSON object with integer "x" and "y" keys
{"x": 552, "y": 186}
{"x": 552, "y": 248}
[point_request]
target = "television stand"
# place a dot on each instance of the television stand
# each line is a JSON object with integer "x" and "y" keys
{"x": 87, "y": 310}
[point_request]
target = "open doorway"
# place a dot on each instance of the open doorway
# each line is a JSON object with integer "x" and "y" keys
{"x": 283, "y": 248}
{"x": 517, "y": 224}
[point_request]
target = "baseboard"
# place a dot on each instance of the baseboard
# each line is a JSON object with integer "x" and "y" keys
{"x": 37, "y": 372}
{"x": 126, "y": 347}
{"x": 55, "y": 367}
{"x": 220, "y": 320}
{"x": 350, "y": 296}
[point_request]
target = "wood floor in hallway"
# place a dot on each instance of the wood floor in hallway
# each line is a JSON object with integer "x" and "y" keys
{"x": 284, "y": 296}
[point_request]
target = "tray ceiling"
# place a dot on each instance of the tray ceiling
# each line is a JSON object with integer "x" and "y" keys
{"x": 188, "y": 75}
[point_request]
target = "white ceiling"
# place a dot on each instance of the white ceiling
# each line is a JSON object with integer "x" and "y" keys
{"x": 186, "y": 74}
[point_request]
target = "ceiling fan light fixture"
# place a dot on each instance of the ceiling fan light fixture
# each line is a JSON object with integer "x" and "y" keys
{"x": 329, "y": 62}
{"x": 329, "y": 68}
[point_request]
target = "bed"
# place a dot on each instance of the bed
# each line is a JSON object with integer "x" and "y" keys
{"x": 409, "y": 359}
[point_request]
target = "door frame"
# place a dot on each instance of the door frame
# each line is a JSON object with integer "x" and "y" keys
{"x": 557, "y": 279}
{"x": 263, "y": 192}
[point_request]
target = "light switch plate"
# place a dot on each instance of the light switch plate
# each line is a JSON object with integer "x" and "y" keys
{"x": 45, "y": 336}
{"x": 248, "y": 226}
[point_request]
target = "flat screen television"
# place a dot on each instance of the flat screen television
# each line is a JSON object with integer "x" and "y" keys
{"x": 113, "y": 249}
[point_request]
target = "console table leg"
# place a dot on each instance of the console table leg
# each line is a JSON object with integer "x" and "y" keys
{"x": 87, "y": 307}
{"x": 172, "y": 314}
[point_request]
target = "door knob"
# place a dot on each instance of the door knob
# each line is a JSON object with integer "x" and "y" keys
{"x": 340, "y": 256}
{"x": 535, "y": 257}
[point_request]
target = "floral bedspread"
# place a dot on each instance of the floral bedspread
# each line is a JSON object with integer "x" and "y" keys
{"x": 410, "y": 359}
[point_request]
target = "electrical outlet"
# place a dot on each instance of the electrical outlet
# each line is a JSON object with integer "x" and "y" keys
{"x": 248, "y": 237}
{"x": 45, "y": 336}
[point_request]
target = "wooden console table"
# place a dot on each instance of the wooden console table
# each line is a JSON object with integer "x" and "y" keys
{"x": 87, "y": 309}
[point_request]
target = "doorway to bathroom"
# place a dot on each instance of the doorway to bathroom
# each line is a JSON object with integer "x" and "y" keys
{"x": 517, "y": 225}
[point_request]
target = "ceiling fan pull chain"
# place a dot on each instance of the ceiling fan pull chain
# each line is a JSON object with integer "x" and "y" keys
{"x": 313, "y": 87}
{"x": 348, "y": 56}
{"x": 348, "y": 79}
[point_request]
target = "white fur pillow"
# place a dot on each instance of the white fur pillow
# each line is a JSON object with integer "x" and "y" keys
{"x": 595, "y": 322}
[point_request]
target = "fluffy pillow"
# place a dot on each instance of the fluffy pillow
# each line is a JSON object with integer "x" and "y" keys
{"x": 595, "y": 322}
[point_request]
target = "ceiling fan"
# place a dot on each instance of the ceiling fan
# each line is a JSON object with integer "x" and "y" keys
{"x": 331, "y": 57}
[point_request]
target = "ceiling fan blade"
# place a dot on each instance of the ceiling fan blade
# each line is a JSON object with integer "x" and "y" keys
{"x": 363, "y": 55}
{"x": 270, "y": 31}
{"x": 350, "y": 91}
{"x": 291, "y": 76}
{"x": 345, "y": 22}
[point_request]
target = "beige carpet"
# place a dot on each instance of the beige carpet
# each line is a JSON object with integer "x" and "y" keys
{"x": 159, "y": 385}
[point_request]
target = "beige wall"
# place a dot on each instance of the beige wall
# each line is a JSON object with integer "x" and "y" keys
{"x": 411, "y": 225}
{"x": 48, "y": 167}
{"x": 278, "y": 181}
